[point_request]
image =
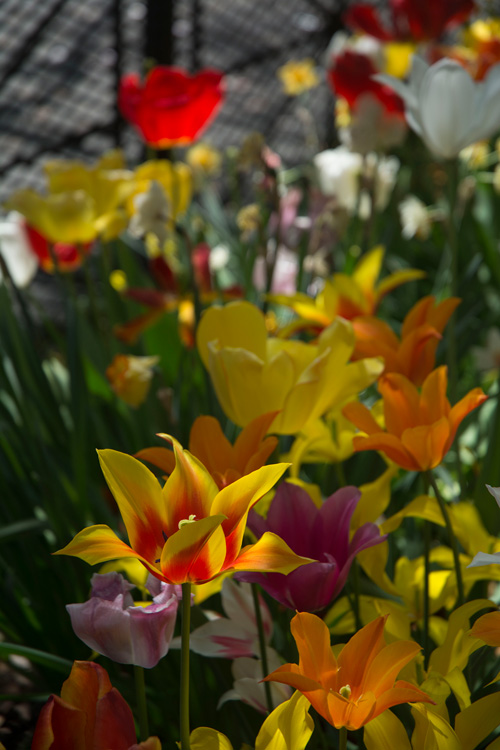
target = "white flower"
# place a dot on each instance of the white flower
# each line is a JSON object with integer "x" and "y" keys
{"x": 446, "y": 107}
{"x": 248, "y": 686}
{"x": 16, "y": 250}
{"x": 339, "y": 171}
{"x": 219, "y": 258}
{"x": 484, "y": 558}
{"x": 415, "y": 218}
{"x": 386, "y": 173}
{"x": 151, "y": 213}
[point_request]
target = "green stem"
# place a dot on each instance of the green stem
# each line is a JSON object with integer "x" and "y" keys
{"x": 142, "y": 709}
{"x": 451, "y": 536}
{"x": 262, "y": 645}
{"x": 186, "y": 616}
{"x": 343, "y": 738}
{"x": 427, "y": 564}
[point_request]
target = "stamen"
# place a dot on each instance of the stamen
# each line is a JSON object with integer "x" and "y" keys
{"x": 345, "y": 691}
{"x": 191, "y": 519}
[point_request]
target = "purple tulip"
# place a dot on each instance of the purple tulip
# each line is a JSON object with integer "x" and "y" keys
{"x": 321, "y": 533}
{"x": 111, "y": 624}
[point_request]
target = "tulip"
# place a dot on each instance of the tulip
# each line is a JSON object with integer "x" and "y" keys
{"x": 235, "y": 635}
{"x": 187, "y": 531}
{"x": 487, "y": 629}
{"x": 416, "y": 20}
{"x": 420, "y": 427}
{"x": 113, "y": 625}
{"x": 358, "y": 685}
{"x": 253, "y": 374}
{"x": 17, "y": 251}
{"x": 324, "y": 533}
{"x": 90, "y": 715}
{"x": 446, "y": 108}
{"x": 224, "y": 461}
{"x": 130, "y": 377}
{"x": 171, "y": 108}
{"x": 288, "y": 727}
{"x": 414, "y": 354}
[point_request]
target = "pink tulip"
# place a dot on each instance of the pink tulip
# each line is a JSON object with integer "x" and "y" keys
{"x": 321, "y": 533}
{"x": 111, "y": 624}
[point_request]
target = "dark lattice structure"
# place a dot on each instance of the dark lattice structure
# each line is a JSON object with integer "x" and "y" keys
{"x": 61, "y": 60}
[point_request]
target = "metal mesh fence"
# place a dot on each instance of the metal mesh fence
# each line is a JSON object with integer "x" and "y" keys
{"x": 60, "y": 62}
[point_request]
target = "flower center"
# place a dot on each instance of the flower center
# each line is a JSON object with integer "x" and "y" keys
{"x": 191, "y": 519}
{"x": 345, "y": 691}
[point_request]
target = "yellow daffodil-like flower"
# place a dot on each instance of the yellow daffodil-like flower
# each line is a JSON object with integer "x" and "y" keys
{"x": 175, "y": 179}
{"x": 130, "y": 377}
{"x": 82, "y": 202}
{"x": 298, "y": 76}
{"x": 288, "y": 727}
{"x": 187, "y": 531}
{"x": 204, "y": 159}
{"x": 347, "y": 296}
{"x": 253, "y": 373}
{"x": 434, "y": 732}
{"x": 397, "y": 58}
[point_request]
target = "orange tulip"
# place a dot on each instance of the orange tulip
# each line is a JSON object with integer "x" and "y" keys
{"x": 186, "y": 531}
{"x": 354, "y": 688}
{"x": 225, "y": 462}
{"x": 420, "y": 427}
{"x": 90, "y": 715}
{"x": 414, "y": 354}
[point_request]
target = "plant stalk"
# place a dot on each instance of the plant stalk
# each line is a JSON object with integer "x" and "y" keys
{"x": 262, "y": 645}
{"x": 142, "y": 708}
{"x": 184, "y": 696}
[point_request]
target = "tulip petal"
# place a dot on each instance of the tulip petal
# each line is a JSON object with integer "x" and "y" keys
{"x": 487, "y": 628}
{"x": 209, "y": 444}
{"x": 361, "y": 417}
{"x": 427, "y": 444}
{"x": 237, "y": 325}
{"x": 160, "y": 457}
{"x": 386, "y": 732}
{"x": 368, "y": 641}
{"x": 476, "y": 721}
{"x": 288, "y": 727}
{"x": 402, "y": 692}
{"x": 98, "y": 544}
{"x": 471, "y": 401}
{"x": 139, "y": 498}
{"x": 195, "y": 552}
{"x": 312, "y": 638}
{"x": 396, "y": 279}
{"x": 388, "y": 444}
{"x": 250, "y": 443}
{"x": 205, "y": 738}
{"x": 386, "y": 665}
{"x": 401, "y": 403}
{"x": 61, "y": 722}
{"x": 268, "y": 554}
{"x": 189, "y": 490}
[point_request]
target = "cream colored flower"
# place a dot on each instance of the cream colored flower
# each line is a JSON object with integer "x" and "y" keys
{"x": 298, "y": 76}
{"x": 415, "y": 218}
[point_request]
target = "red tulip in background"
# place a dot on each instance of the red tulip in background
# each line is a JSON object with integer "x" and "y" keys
{"x": 171, "y": 107}
{"x": 410, "y": 20}
{"x": 351, "y": 76}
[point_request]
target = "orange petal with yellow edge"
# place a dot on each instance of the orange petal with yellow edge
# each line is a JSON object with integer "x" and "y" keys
{"x": 368, "y": 641}
{"x": 387, "y": 664}
{"x": 189, "y": 490}
{"x": 98, "y": 544}
{"x": 401, "y": 402}
{"x": 269, "y": 554}
{"x": 368, "y": 269}
{"x": 402, "y": 692}
{"x": 196, "y": 552}
{"x": 235, "y": 500}
{"x": 139, "y": 498}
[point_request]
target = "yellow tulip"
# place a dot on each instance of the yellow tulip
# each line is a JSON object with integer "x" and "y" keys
{"x": 253, "y": 373}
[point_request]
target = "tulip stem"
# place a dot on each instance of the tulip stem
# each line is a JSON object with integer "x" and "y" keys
{"x": 427, "y": 564}
{"x": 343, "y": 738}
{"x": 262, "y": 645}
{"x": 451, "y": 536}
{"x": 142, "y": 708}
{"x": 185, "y": 627}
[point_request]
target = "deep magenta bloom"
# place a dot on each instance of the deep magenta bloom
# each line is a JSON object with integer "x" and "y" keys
{"x": 320, "y": 533}
{"x": 111, "y": 624}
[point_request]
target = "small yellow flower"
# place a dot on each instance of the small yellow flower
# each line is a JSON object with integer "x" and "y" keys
{"x": 248, "y": 219}
{"x": 298, "y": 76}
{"x": 398, "y": 58}
{"x": 118, "y": 280}
{"x": 130, "y": 377}
{"x": 204, "y": 159}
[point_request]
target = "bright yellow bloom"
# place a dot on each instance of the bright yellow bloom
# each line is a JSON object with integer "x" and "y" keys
{"x": 186, "y": 531}
{"x": 298, "y": 76}
{"x": 433, "y": 732}
{"x": 82, "y": 202}
{"x": 204, "y": 159}
{"x": 398, "y": 58}
{"x": 358, "y": 685}
{"x": 130, "y": 377}
{"x": 254, "y": 374}
{"x": 288, "y": 727}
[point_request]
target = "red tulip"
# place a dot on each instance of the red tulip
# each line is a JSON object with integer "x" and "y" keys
{"x": 171, "y": 107}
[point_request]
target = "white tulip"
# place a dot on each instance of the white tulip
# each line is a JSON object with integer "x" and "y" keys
{"x": 446, "y": 107}
{"x": 339, "y": 171}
